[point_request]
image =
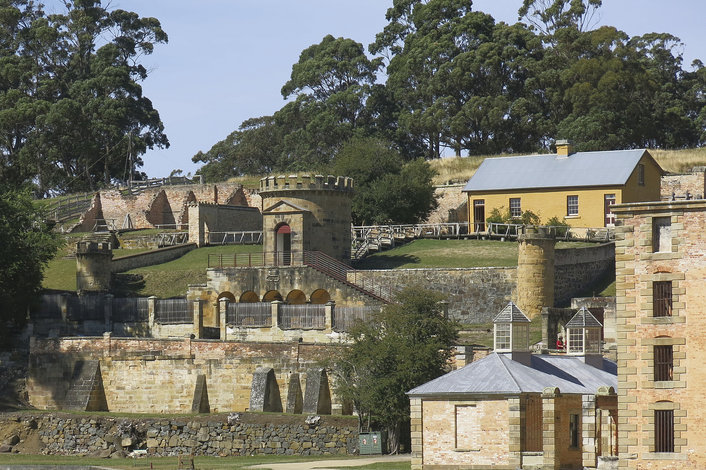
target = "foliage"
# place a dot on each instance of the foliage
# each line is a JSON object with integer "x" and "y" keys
{"x": 387, "y": 189}
{"x": 70, "y": 99}
{"x": 27, "y": 246}
{"x": 500, "y": 216}
{"x": 561, "y": 226}
{"x": 405, "y": 345}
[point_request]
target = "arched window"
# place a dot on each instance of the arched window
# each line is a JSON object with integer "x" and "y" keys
{"x": 320, "y": 296}
{"x": 296, "y": 297}
{"x": 249, "y": 297}
{"x": 283, "y": 244}
{"x": 271, "y": 296}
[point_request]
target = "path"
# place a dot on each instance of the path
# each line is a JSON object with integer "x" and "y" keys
{"x": 329, "y": 464}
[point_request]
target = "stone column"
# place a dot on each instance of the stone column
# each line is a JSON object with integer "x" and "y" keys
{"x": 515, "y": 416}
{"x": 535, "y": 271}
{"x": 150, "y": 313}
{"x": 550, "y": 428}
{"x": 328, "y": 316}
{"x": 198, "y": 319}
{"x": 222, "y": 314}
{"x": 588, "y": 431}
{"x": 416, "y": 425}
{"x": 275, "y": 313}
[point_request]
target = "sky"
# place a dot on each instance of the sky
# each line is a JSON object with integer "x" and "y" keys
{"x": 226, "y": 60}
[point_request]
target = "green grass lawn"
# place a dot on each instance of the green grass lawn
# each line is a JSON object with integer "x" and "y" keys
{"x": 444, "y": 254}
{"x": 201, "y": 463}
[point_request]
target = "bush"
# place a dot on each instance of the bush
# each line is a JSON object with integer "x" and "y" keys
{"x": 561, "y": 227}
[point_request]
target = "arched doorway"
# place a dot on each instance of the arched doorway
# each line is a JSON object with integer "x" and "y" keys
{"x": 320, "y": 296}
{"x": 283, "y": 245}
{"x": 249, "y": 297}
{"x": 271, "y": 296}
{"x": 296, "y": 297}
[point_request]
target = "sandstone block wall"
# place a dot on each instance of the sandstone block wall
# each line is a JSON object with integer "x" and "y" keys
{"x": 206, "y": 218}
{"x": 678, "y": 185}
{"x": 160, "y": 375}
{"x": 475, "y": 295}
{"x": 218, "y": 436}
{"x": 579, "y": 271}
{"x": 159, "y": 256}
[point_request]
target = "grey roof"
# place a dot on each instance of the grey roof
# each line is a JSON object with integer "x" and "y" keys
{"x": 511, "y": 314}
{"x": 498, "y": 374}
{"x": 608, "y": 168}
{"x": 582, "y": 319}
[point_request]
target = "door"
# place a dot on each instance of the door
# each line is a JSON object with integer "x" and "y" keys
{"x": 608, "y": 200}
{"x": 283, "y": 245}
{"x": 479, "y": 215}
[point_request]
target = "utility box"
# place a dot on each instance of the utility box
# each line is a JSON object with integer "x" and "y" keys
{"x": 370, "y": 443}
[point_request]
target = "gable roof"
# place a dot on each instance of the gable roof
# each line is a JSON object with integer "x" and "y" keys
{"x": 583, "y": 318}
{"x": 605, "y": 168}
{"x": 498, "y": 374}
{"x": 511, "y": 314}
{"x": 284, "y": 207}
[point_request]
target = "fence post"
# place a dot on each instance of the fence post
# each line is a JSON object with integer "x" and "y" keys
{"x": 151, "y": 314}
{"x": 108, "y": 312}
{"x": 329, "y": 309}
{"x": 198, "y": 319}
{"x": 64, "y": 306}
{"x": 275, "y": 313}
{"x": 222, "y": 316}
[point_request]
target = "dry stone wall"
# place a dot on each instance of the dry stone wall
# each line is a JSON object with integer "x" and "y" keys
{"x": 579, "y": 271}
{"x": 221, "y": 435}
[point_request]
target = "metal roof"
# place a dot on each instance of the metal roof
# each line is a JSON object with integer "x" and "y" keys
{"x": 582, "y": 319}
{"x": 498, "y": 374}
{"x": 511, "y": 314}
{"x": 606, "y": 168}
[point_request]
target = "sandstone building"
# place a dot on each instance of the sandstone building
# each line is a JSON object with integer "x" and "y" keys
{"x": 660, "y": 272}
{"x": 513, "y": 409}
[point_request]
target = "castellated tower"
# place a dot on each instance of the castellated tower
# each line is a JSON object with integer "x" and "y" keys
{"x": 304, "y": 213}
{"x": 93, "y": 266}
{"x": 535, "y": 271}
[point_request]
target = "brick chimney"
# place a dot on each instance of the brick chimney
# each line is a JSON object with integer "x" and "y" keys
{"x": 564, "y": 148}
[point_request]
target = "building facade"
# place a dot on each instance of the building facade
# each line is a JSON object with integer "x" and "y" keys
{"x": 660, "y": 272}
{"x": 576, "y": 188}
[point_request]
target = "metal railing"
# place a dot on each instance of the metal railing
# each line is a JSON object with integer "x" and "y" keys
{"x": 86, "y": 308}
{"x": 130, "y": 309}
{"x": 302, "y": 317}
{"x": 173, "y": 311}
{"x": 256, "y": 314}
{"x": 250, "y": 260}
{"x": 172, "y": 238}
{"x": 171, "y": 226}
{"x": 138, "y": 187}
{"x": 345, "y": 317}
{"x": 235, "y": 238}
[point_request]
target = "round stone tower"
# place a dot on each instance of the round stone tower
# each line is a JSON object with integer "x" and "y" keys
{"x": 93, "y": 266}
{"x": 535, "y": 271}
{"x": 302, "y": 213}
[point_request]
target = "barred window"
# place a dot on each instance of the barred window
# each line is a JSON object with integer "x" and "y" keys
{"x": 574, "y": 430}
{"x": 576, "y": 340}
{"x": 664, "y": 430}
{"x": 663, "y": 363}
{"x": 662, "y": 299}
{"x": 572, "y": 205}
{"x": 515, "y": 207}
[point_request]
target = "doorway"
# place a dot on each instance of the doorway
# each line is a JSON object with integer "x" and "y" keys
{"x": 479, "y": 215}
{"x": 608, "y": 200}
{"x": 283, "y": 245}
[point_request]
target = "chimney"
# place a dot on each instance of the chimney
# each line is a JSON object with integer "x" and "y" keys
{"x": 564, "y": 148}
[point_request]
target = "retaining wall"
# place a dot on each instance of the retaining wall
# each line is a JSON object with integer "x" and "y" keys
{"x": 159, "y": 256}
{"x": 222, "y": 435}
{"x": 578, "y": 271}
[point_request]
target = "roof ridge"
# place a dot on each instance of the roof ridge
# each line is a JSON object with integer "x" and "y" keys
{"x": 507, "y": 369}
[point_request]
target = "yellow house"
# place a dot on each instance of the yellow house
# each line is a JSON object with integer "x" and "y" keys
{"x": 577, "y": 188}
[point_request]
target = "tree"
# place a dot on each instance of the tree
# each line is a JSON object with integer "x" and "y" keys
{"x": 550, "y": 16}
{"x": 405, "y": 345}
{"x": 72, "y": 103}
{"x": 27, "y": 246}
{"x": 388, "y": 190}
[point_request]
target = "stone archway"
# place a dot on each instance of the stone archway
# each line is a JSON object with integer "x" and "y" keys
{"x": 249, "y": 297}
{"x": 283, "y": 244}
{"x": 320, "y": 296}
{"x": 296, "y": 297}
{"x": 271, "y": 296}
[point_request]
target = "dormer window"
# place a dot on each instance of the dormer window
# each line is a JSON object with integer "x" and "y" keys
{"x": 511, "y": 328}
{"x": 584, "y": 333}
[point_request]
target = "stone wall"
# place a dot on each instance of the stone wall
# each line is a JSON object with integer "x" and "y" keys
{"x": 677, "y": 185}
{"x": 578, "y": 271}
{"x": 142, "y": 375}
{"x": 159, "y": 256}
{"x": 452, "y": 205}
{"x": 218, "y": 436}
{"x": 205, "y": 218}
{"x": 475, "y": 295}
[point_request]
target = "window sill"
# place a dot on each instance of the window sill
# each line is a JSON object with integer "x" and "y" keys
{"x": 467, "y": 450}
{"x": 662, "y": 384}
{"x": 572, "y": 217}
{"x": 664, "y": 456}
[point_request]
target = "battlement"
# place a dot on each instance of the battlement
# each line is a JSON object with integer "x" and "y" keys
{"x": 86, "y": 247}
{"x": 306, "y": 182}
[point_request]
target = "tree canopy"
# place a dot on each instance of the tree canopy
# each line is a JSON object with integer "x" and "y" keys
{"x": 455, "y": 80}
{"x": 405, "y": 345}
{"x": 70, "y": 98}
{"x": 27, "y": 246}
